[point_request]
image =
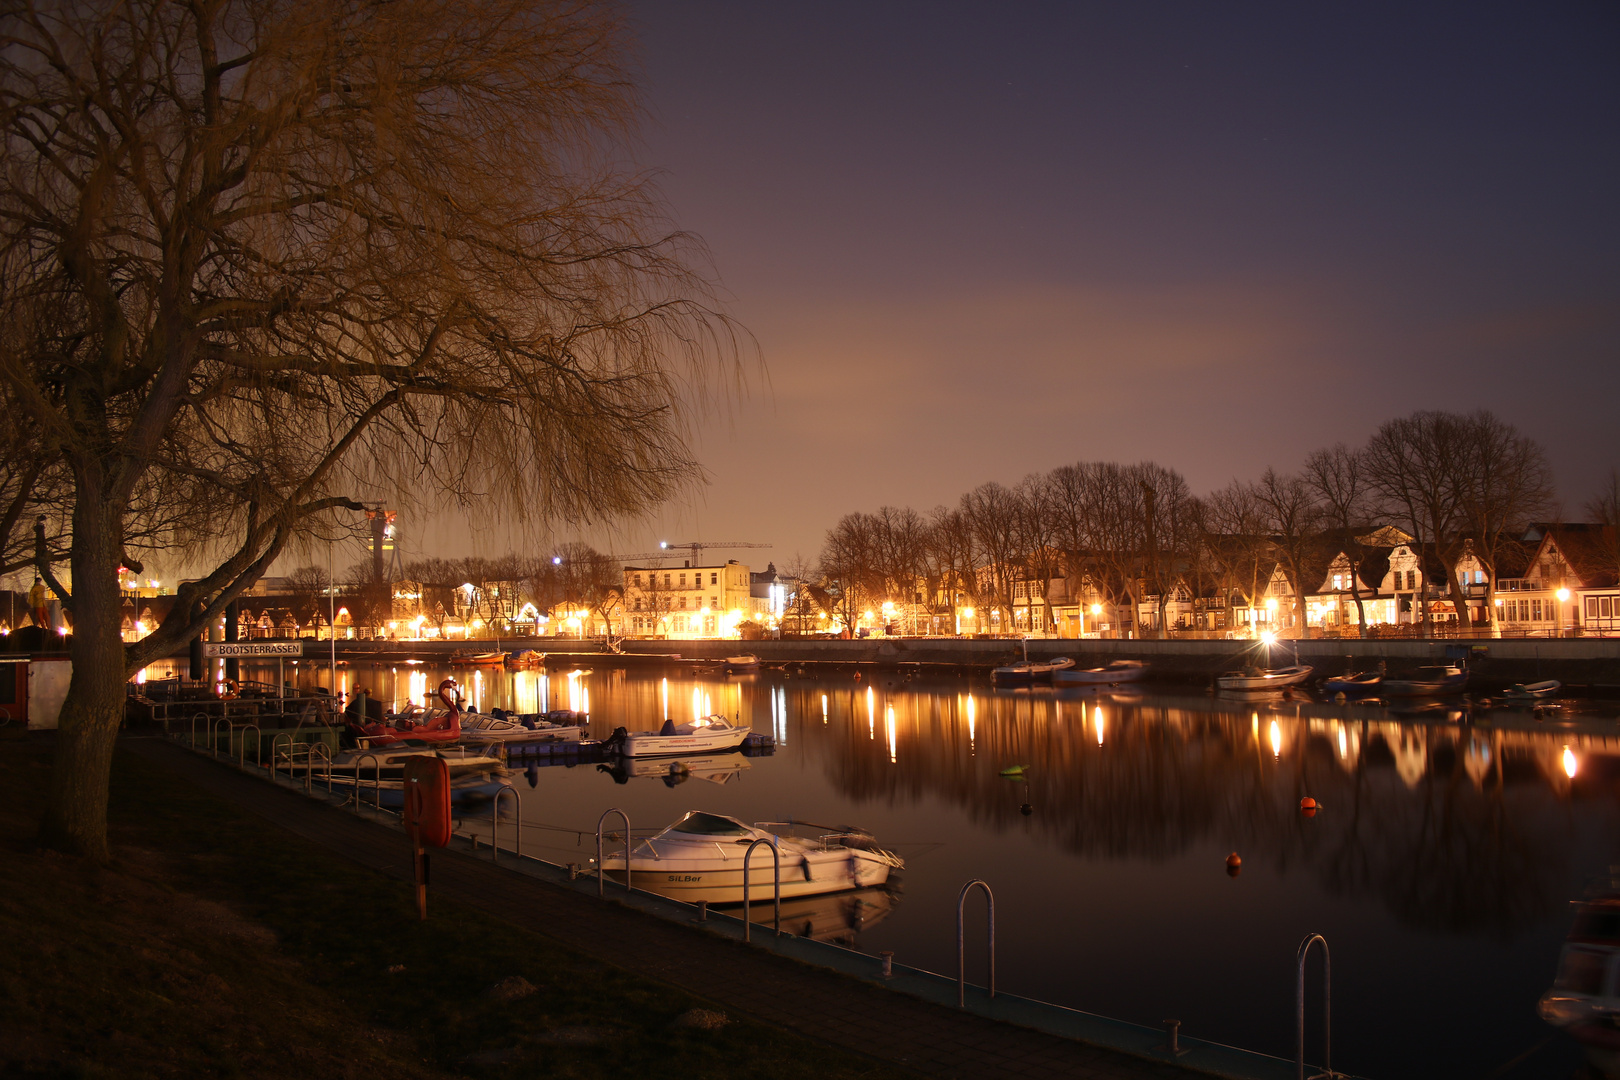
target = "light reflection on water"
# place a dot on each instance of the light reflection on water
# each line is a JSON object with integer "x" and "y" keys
{"x": 1439, "y": 867}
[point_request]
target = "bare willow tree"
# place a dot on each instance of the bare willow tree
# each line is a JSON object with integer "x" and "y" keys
{"x": 299, "y": 255}
{"x": 1604, "y": 509}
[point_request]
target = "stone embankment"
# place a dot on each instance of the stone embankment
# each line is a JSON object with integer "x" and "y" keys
{"x": 1592, "y": 664}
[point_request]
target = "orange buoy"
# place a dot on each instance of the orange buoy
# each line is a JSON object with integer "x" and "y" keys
{"x": 1234, "y": 865}
{"x": 1307, "y": 803}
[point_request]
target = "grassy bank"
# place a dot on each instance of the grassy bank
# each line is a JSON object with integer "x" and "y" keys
{"x": 217, "y": 945}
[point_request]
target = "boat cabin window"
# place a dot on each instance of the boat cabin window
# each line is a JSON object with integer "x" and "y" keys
{"x": 709, "y": 825}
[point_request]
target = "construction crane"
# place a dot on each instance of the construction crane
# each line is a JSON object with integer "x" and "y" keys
{"x": 694, "y": 550}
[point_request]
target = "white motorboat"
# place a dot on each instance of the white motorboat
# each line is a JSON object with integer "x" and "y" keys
{"x": 1265, "y": 678}
{"x": 522, "y": 727}
{"x": 390, "y": 761}
{"x": 1119, "y": 671}
{"x": 705, "y": 735}
{"x": 740, "y": 662}
{"x": 700, "y": 857}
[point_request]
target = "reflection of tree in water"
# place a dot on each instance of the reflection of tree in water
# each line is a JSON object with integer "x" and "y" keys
{"x": 1450, "y": 828}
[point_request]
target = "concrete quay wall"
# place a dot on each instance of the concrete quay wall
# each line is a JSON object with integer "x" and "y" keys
{"x": 1593, "y": 662}
{"x": 1496, "y": 663}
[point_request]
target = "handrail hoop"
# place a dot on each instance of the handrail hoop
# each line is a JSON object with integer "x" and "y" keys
{"x": 258, "y": 747}
{"x": 196, "y": 716}
{"x": 776, "y": 869}
{"x": 309, "y": 765}
{"x": 275, "y": 751}
{"x": 961, "y": 948}
{"x": 213, "y": 737}
{"x": 517, "y": 824}
{"x": 376, "y": 778}
{"x": 1327, "y": 1010}
{"x": 599, "y": 872}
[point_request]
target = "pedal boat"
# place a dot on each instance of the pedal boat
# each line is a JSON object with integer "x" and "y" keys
{"x": 700, "y": 857}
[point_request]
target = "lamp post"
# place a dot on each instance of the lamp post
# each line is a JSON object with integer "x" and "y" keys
{"x": 1558, "y": 615}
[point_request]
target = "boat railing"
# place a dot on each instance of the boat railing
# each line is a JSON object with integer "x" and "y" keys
{"x": 517, "y": 824}
{"x": 600, "y": 872}
{"x": 1327, "y": 1072}
{"x": 376, "y": 778}
{"x": 776, "y": 873}
{"x": 961, "y": 942}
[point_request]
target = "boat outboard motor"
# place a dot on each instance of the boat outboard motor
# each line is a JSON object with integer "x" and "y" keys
{"x": 615, "y": 740}
{"x": 533, "y": 773}
{"x": 668, "y": 728}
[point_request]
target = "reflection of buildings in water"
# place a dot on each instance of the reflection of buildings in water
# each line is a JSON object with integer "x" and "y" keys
{"x": 1452, "y": 828}
{"x": 832, "y": 917}
{"x": 715, "y": 768}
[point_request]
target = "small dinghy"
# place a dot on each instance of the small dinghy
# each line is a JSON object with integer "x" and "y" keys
{"x": 1119, "y": 671}
{"x": 700, "y": 857}
{"x": 1536, "y": 691}
{"x": 1361, "y": 682}
{"x": 1253, "y": 679}
{"x": 1430, "y": 681}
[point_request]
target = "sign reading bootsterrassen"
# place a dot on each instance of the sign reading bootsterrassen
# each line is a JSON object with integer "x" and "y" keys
{"x": 217, "y": 649}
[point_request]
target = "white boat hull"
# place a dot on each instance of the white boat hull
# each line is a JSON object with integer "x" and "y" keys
{"x": 719, "y": 880}
{"x": 648, "y": 744}
{"x": 1271, "y": 680}
{"x": 1100, "y": 676}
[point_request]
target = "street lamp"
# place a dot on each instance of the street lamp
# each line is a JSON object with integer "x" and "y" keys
{"x": 1558, "y": 616}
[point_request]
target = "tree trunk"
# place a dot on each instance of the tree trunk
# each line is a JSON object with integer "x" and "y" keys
{"x": 76, "y": 813}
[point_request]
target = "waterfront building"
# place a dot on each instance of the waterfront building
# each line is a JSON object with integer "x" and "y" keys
{"x": 687, "y": 602}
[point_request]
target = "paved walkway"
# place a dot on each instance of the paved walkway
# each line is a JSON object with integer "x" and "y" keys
{"x": 812, "y": 1002}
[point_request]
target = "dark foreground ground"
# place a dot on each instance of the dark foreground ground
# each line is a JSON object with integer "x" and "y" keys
{"x": 216, "y": 944}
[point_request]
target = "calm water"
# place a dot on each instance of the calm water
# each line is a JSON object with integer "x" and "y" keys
{"x": 1440, "y": 869}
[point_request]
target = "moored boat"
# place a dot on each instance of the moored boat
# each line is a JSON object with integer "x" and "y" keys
{"x": 1264, "y": 678}
{"x": 1118, "y": 671}
{"x": 700, "y": 857}
{"x": 705, "y": 735}
{"x": 1536, "y": 691}
{"x": 441, "y": 728}
{"x": 1429, "y": 681}
{"x": 1027, "y": 671}
{"x": 502, "y": 726}
{"x": 477, "y": 659}
{"x": 1585, "y": 996}
{"x": 1360, "y": 682}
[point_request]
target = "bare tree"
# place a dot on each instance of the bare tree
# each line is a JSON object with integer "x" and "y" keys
{"x": 1413, "y": 463}
{"x": 847, "y": 560}
{"x": 1604, "y": 509}
{"x": 305, "y": 256}
{"x": 1292, "y": 518}
{"x": 308, "y": 588}
{"x": 991, "y": 512}
{"x": 1236, "y": 539}
{"x": 1503, "y": 483}
{"x": 1335, "y": 478}
{"x": 951, "y": 552}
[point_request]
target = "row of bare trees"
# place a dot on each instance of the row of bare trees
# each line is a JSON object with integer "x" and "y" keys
{"x": 1135, "y": 533}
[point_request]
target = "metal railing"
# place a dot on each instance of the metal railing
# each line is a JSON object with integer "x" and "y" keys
{"x": 376, "y": 778}
{"x": 258, "y": 746}
{"x": 1327, "y": 1072}
{"x": 517, "y": 825}
{"x": 776, "y": 868}
{"x": 599, "y": 872}
{"x": 213, "y": 735}
{"x": 961, "y": 948}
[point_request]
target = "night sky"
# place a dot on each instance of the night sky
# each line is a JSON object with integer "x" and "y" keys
{"x": 979, "y": 241}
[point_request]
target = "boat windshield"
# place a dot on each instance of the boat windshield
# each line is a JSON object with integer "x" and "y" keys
{"x": 709, "y": 825}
